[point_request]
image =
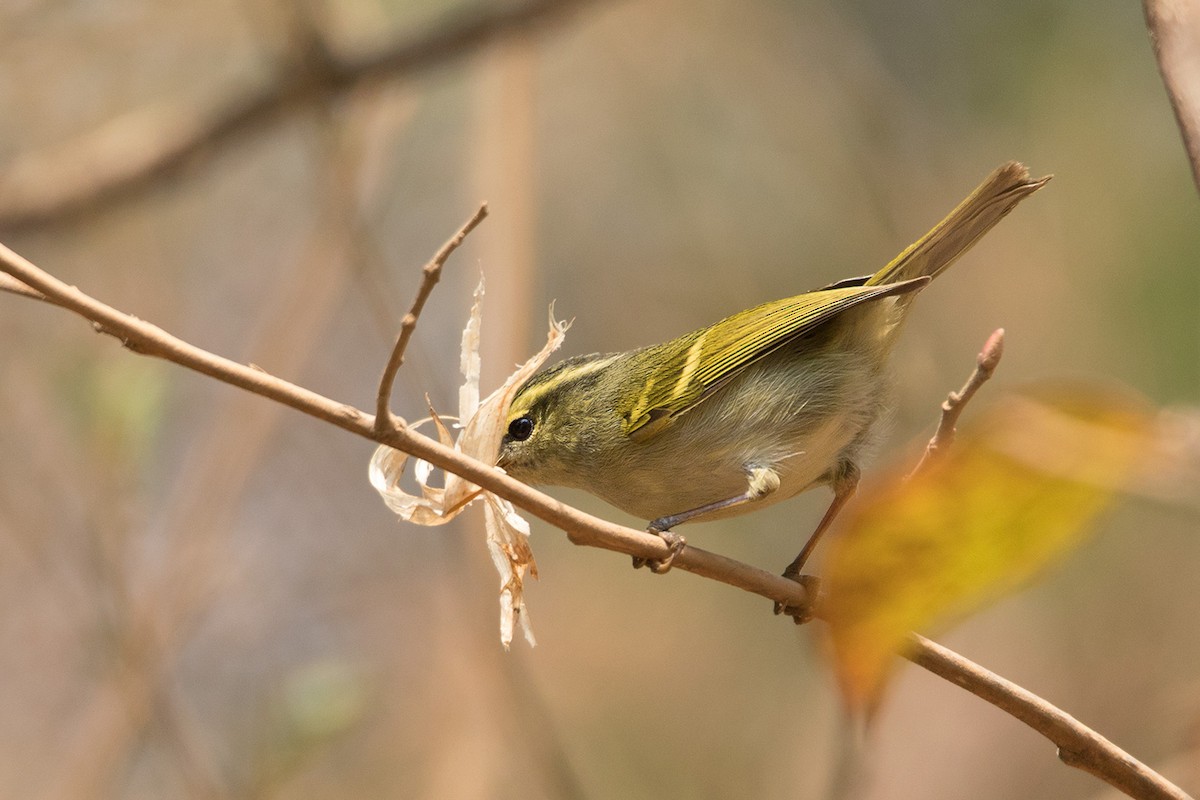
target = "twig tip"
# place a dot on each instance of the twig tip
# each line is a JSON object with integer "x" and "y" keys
{"x": 993, "y": 349}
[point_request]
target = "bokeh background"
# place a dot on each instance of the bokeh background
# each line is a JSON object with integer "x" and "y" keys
{"x": 201, "y": 596}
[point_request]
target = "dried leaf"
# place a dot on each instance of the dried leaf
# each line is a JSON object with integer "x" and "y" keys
{"x": 468, "y": 393}
{"x": 482, "y": 429}
{"x": 508, "y": 543}
{"x": 1017, "y": 491}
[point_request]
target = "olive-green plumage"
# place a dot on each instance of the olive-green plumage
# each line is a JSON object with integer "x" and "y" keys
{"x": 754, "y": 409}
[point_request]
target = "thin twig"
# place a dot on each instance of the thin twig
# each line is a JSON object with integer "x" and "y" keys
{"x": 985, "y": 366}
{"x": 1174, "y": 27}
{"x": 1078, "y": 745}
{"x": 13, "y": 286}
{"x": 430, "y": 274}
{"x": 130, "y": 153}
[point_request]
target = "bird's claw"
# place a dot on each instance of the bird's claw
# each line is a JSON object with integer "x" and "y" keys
{"x": 801, "y": 614}
{"x": 658, "y": 566}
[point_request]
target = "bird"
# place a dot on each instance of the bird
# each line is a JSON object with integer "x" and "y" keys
{"x": 750, "y": 411}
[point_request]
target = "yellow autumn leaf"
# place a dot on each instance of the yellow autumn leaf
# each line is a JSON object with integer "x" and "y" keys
{"x": 1019, "y": 489}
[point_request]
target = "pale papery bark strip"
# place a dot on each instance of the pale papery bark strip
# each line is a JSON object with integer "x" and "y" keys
{"x": 1079, "y": 746}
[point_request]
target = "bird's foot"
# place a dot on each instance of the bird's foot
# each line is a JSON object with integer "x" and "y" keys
{"x": 812, "y": 587}
{"x": 658, "y": 566}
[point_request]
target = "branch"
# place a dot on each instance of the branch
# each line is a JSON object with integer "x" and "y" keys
{"x": 430, "y": 274}
{"x": 583, "y": 529}
{"x": 1174, "y": 27}
{"x": 1079, "y": 746}
{"x": 13, "y": 286}
{"x": 985, "y": 366}
{"x": 127, "y": 154}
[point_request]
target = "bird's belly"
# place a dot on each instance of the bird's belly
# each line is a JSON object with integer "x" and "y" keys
{"x": 800, "y": 417}
{"x": 667, "y": 484}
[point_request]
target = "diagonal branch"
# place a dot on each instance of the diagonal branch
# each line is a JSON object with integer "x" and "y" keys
{"x": 1078, "y": 745}
{"x": 1174, "y": 27}
{"x": 130, "y": 153}
{"x": 430, "y": 274}
{"x": 584, "y": 529}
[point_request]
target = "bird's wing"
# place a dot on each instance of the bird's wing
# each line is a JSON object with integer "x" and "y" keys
{"x": 686, "y": 371}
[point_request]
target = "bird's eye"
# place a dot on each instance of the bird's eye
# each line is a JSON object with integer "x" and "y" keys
{"x": 520, "y": 428}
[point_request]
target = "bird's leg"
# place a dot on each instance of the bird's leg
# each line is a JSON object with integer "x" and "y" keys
{"x": 762, "y": 481}
{"x": 844, "y": 484}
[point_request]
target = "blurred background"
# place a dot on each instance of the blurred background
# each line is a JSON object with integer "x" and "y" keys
{"x": 202, "y": 597}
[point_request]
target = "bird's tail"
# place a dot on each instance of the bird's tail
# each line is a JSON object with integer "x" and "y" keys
{"x": 934, "y": 252}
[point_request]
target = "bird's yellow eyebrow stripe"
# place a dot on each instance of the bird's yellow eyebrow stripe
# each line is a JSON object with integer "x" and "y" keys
{"x": 530, "y": 397}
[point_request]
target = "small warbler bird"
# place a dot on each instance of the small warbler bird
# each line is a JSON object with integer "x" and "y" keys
{"x": 747, "y": 412}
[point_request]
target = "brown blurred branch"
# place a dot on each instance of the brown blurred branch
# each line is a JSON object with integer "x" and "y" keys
{"x": 1078, "y": 745}
{"x": 128, "y": 154}
{"x": 1174, "y": 27}
{"x": 160, "y": 607}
